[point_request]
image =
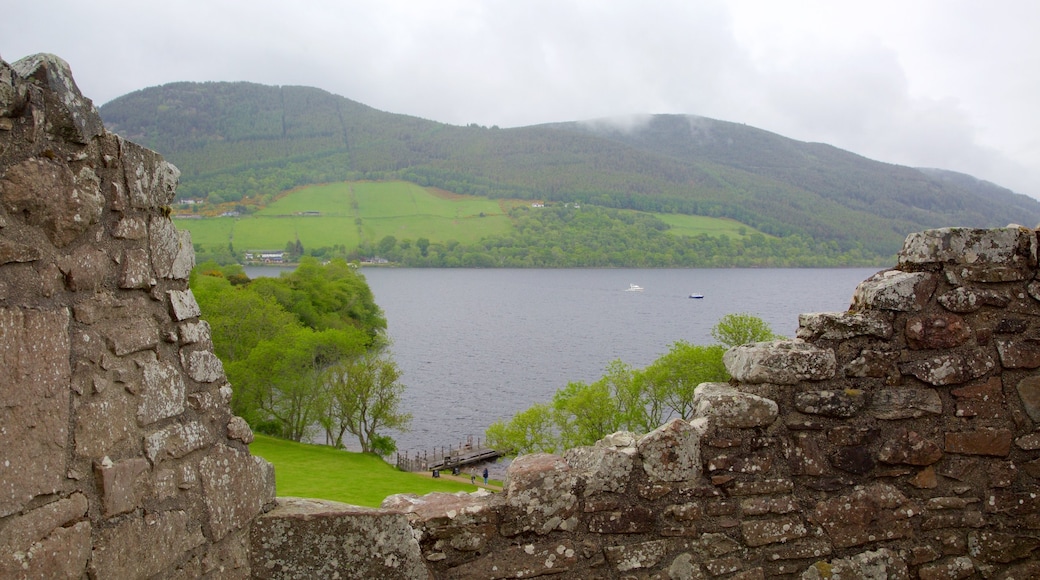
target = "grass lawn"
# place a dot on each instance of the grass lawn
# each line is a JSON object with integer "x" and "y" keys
{"x": 322, "y": 472}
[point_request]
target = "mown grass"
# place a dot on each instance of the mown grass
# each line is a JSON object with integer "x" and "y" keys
{"x": 322, "y": 472}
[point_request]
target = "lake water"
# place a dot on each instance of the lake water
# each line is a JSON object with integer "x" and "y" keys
{"x": 476, "y": 346}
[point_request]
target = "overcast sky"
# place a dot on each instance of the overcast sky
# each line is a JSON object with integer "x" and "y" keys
{"x": 953, "y": 84}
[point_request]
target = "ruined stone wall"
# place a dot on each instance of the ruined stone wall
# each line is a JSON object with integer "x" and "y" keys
{"x": 119, "y": 457}
{"x": 898, "y": 439}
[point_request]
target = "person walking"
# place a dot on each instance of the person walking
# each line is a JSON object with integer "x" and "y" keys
{"x": 485, "y": 476}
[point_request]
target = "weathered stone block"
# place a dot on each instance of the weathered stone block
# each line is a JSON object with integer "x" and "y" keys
{"x": 628, "y": 520}
{"x": 307, "y": 538}
{"x": 894, "y": 290}
{"x": 1029, "y": 394}
{"x": 839, "y": 404}
{"x": 70, "y": 115}
{"x": 117, "y": 481}
{"x": 780, "y": 530}
{"x": 236, "y": 486}
{"x": 202, "y": 365}
{"x": 183, "y": 305}
{"x": 883, "y": 564}
{"x": 1021, "y": 353}
{"x": 21, "y": 532}
{"x": 783, "y": 362}
{"x": 671, "y": 452}
{"x": 966, "y": 299}
{"x": 908, "y": 447}
{"x": 972, "y": 247}
{"x": 162, "y": 393}
{"x": 63, "y": 553}
{"x": 936, "y": 331}
{"x": 47, "y": 195}
{"x": 540, "y": 492}
{"x": 637, "y": 556}
{"x": 524, "y": 561}
{"x": 151, "y": 180}
{"x": 872, "y": 514}
{"x": 604, "y": 469}
{"x": 177, "y": 440}
{"x": 131, "y": 334}
{"x": 843, "y": 325}
{"x": 893, "y": 404}
{"x": 995, "y": 442}
{"x": 128, "y": 549}
{"x": 949, "y": 569}
{"x": 951, "y": 369}
{"x": 136, "y": 270}
{"x": 985, "y": 400}
{"x": 34, "y": 404}
{"x": 729, "y": 408}
{"x": 873, "y": 364}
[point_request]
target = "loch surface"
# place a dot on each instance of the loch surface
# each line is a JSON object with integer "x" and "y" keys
{"x": 476, "y": 346}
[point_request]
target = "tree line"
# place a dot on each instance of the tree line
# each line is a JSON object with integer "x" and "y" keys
{"x": 625, "y": 398}
{"x": 306, "y": 352}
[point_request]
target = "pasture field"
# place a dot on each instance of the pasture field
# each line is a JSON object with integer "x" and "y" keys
{"x": 351, "y": 212}
{"x": 340, "y": 213}
{"x": 323, "y": 472}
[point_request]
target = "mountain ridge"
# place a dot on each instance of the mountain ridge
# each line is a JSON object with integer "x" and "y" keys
{"x": 232, "y": 140}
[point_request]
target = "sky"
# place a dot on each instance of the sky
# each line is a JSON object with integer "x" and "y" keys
{"x": 952, "y": 84}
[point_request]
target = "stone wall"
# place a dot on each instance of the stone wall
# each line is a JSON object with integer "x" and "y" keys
{"x": 120, "y": 457}
{"x": 897, "y": 439}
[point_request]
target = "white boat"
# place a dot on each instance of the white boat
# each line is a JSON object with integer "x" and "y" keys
{"x": 634, "y": 288}
{"x": 697, "y": 296}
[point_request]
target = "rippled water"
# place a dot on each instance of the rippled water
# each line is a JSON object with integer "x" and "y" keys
{"x": 476, "y": 346}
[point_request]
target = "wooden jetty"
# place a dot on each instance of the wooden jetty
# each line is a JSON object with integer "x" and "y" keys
{"x": 452, "y": 457}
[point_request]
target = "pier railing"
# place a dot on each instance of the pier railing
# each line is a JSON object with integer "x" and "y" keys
{"x": 447, "y": 458}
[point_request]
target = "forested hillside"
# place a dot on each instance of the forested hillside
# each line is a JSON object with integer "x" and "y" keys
{"x": 232, "y": 140}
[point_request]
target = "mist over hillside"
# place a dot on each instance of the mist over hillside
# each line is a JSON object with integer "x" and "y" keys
{"x": 233, "y": 140}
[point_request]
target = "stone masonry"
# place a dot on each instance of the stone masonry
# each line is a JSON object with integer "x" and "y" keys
{"x": 897, "y": 439}
{"x": 120, "y": 457}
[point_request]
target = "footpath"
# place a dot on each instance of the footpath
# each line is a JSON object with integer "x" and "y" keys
{"x": 463, "y": 478}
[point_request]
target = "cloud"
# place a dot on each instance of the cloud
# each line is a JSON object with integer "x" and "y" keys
{"x": 942, "y": 83}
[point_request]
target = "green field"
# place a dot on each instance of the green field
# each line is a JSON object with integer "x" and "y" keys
{"x": 351, "y": 212}
{"x": 323, "y": 472}
{"x": 693, "y": 225}
{"x": 341, "y": 213}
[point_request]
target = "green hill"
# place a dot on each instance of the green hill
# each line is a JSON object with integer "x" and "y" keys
{"x": 238, "y": 140}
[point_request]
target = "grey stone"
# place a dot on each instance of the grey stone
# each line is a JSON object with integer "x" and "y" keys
{"x": 671, "y": 452}
{"x": 74, "y": 117}
{"x": 843, "y": 325}
{"x": 183, "y": 305}
{"x": 203, "y": 366}
{"x": 151, "y": 181}
{"x": 172, "y": 254}
{"x": 637, "y": 556}
{"x": 727, "y": 407}
{"x": 306, "y": 538}
{"x": 842, "y": 404}
{"x": 783, "y": 362}
{"x": 540, "y": 492}
{"x": 883, "y": 564}
{"x": 966, "y": 299}
{"x": 973, "y": 247}
{"x": 162, "y": 393}
{"x": 604, "y": 469}
{"x": 951, "y": 369}
{"x": 893, "y": 404}
{"x": 236, "y": 487}
{"x": 136, "y": 270}
{"x": 894, "y": 290}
